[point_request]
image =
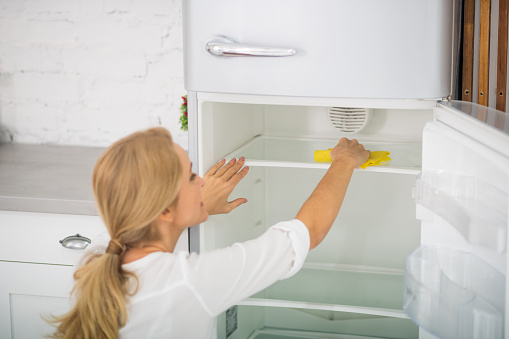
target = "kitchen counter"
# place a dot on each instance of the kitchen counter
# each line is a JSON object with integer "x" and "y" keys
{"x": 47, "y": 179}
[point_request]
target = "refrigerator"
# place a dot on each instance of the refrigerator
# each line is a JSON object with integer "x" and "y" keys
{"x": 419, "y": 248}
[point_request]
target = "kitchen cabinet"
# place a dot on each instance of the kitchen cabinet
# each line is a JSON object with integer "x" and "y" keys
{"x": 37, "y": 271}
{"x": 45, "y": 196}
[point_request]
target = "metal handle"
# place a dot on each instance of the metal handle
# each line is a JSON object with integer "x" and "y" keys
{"x": 226, "y": 47}
{"x": 75, "y": 242}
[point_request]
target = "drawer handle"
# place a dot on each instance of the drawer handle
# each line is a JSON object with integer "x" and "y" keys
{"x": 75, "y": 242}
{"x": 226, "y": 47}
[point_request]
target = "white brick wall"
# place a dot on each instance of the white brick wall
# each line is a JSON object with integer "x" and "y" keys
{"x": 86, "y": 72}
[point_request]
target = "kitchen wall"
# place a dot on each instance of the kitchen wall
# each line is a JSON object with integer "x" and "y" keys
{"x": 87, "y": 72}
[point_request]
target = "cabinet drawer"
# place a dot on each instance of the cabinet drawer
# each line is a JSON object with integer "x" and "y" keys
{"x": 35, "y": 237}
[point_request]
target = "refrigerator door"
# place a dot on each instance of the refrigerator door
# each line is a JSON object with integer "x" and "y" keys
{"x": 324, "y": 48}
{"x": 455, "y": 283}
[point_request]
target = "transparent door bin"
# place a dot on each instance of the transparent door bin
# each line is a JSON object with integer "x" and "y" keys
{"x": 475, "y": 208}
{"x": 299, "y": 152}
{"x": 454, "y": 294}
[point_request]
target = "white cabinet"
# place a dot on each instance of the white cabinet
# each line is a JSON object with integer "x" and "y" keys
{"x": 36, "y": 270}
{"x": 27, "y": 292}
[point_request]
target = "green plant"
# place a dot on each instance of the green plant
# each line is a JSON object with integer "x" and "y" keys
{"x": 183, "y": 114}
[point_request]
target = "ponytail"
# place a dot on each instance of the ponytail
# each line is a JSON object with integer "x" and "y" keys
{"x": 99, "y": 310}
{"x": 134, "y": 181}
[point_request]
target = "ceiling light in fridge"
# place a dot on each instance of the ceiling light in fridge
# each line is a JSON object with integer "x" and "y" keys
{"x": 349, "y": 120}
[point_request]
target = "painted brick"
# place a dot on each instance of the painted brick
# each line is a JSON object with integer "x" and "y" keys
{"x": 89, "y": 7}
{"x": 49, "y": 6}
{"x": 118, "y": 6}
{"x": 88, "y": 72}
{"x": 36, "y": 116}
{"x": 47, "y": 88}
{"x": 10, "y": 9}
{"x": 173, "y": 39}
{"x": 27, "y": 32}
{"x": 36, "y": 58}
{"x": 175, "y": 61}
{"x": 8, "y": 119}
{"x": 120, "y": 35}
{"x": 6, "y": 88}
{"x": 114, "y": 123}
{"x": 104, "y": 61}
{"x": 155, "y": 7}
{"x": 29, "y": 122}
{"x": 114, "y": 93}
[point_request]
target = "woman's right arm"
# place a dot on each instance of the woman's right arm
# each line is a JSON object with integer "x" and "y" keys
{"x": 322, "y": 207}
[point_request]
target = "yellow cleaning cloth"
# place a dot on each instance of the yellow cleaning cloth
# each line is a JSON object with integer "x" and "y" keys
{"x": 376, "y": 158}
{"x": 323, "y": 156}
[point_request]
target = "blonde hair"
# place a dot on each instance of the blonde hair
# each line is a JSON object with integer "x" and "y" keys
{"x": 134, "y": 181}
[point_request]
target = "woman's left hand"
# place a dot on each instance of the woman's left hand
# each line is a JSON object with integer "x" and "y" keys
{"x": 220, "y": 181}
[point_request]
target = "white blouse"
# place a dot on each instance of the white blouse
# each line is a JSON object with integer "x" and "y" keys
{"x": 180, "y": 295}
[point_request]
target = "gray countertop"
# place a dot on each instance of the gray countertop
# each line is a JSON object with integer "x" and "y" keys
{"x": 48, "y": 179}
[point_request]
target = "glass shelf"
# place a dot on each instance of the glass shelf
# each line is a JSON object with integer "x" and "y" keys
{"x": 298, "y": 152}
{"x": 372, "y": 292}
{"x": 256, "y": 322}
{"x": 268, "y": 333}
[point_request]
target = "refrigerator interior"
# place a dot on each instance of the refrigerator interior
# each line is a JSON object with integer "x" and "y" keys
{"x": 352, "y": 283}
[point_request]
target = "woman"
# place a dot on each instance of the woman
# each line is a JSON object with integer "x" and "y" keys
{"x": 147, "y": 195}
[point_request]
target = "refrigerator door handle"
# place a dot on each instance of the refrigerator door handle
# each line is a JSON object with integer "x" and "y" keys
{"x": 225, "y": 47}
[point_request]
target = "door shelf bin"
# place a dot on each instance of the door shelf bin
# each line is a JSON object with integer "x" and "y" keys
{"x": 454, "y": 294}
{"x": 363, "y": 292}
{"x": 475, "y": 208}
{"x": 299, "y": 152}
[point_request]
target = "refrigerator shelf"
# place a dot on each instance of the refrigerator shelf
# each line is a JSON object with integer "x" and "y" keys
{"x": 267, "y": 151}
{"x": 281, "y": 323}
{"x": 274, "y": 333}
{"x": 384, "y": 312}
{"x": 368, "y": 292}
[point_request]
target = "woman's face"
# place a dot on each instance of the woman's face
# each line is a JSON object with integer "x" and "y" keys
{"x": 190, "y": 209}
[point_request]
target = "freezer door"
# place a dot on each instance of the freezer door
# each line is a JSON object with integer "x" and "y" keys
{"x": 319, "y": 48}
{"x": 455, "y": 283}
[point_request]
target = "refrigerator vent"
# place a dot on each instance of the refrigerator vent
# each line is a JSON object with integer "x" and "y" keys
{"x": 349, "y": 120}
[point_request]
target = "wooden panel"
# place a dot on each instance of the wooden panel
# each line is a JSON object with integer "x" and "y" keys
{"x": 484, "y": 52}
{"x": 502, "y": 56}
{"x": 468, "y": 49}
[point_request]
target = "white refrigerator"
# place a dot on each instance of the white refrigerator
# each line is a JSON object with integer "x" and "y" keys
{"x": 419, "y": 249}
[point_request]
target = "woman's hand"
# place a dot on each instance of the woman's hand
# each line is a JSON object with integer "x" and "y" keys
{"x": 219, "y": 183}
{"x": 350, "y": 151}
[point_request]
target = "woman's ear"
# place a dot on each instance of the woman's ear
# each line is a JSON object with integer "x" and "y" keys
{"x": 167, "y": 215}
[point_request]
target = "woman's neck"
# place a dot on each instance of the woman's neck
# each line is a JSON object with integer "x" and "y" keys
{"x": 166, "y": 243}
{"x": 136, "y": 253}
